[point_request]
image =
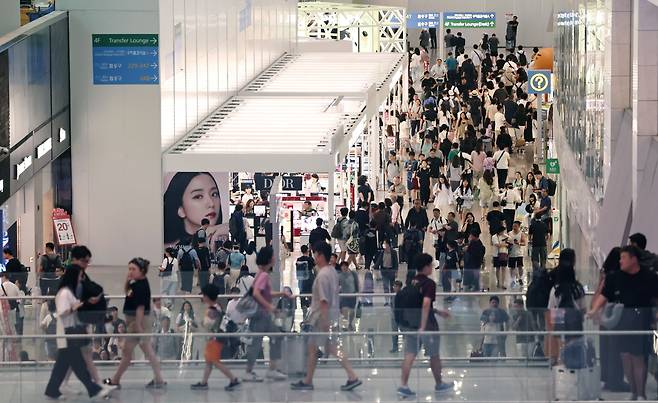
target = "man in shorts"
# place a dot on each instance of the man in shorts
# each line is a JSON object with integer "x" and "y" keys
{"x": 323, "y": 317}
{"x": 637, "y": 289}
{"x": 428, "y": 322}
{"x": 517, "y": 241}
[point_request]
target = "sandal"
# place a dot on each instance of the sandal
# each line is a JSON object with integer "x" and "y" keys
{"x": 108, "y": 382}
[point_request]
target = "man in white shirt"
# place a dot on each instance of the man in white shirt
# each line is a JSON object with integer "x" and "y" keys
{"x": 460, "y": 59}
{"x": 439, "y": 71}
{"x": 10, "y": 289}
{"x": 517, "y": 241}
{"x": 436, "y": 224}
{"x": 501, "y": 162}
{"x": 476, "y": 56}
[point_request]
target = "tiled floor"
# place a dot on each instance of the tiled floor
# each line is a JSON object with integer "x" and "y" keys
{"x": 520, "y": 384}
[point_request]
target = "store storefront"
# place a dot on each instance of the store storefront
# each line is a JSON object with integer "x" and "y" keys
{"x": 35, "y": 157}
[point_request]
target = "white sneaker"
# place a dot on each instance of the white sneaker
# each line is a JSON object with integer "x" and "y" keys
{"x": 103, "y": 393}
{"x": 276, "y": 375}
{"x": 252, "y": 377}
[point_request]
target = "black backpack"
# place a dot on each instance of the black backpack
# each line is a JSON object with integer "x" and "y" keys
{"x": 552, "y": 186}
{"x": 51, "y": 264}
{"x": 408, "y": 307}
{"x": 523, "y": 60}
{"x": 219, "y": 281}
{"x": 186, "y": 263}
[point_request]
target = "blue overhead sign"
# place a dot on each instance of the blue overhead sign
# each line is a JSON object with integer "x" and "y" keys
{"x": 469, "y": 20}
{"x": 423, "y": 20}
{"x": 125, "y": 59}
{"x": 539, "y": 82}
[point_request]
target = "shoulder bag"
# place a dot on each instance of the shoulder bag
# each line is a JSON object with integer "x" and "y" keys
{"x": 247, "y": 305}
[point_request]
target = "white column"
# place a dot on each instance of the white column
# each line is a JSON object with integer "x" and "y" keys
{"x": 331, "y": 203}
{"x": 115, "y": 140}
{"x": 10, "y": 16}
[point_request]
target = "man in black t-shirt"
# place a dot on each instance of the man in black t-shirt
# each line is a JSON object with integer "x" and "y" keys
{"x": 495, "y": 219}
{"x": 538, "y": 238}
{"x": 305, "y": 276}
{"x": 318, "y": 234}
{"x": 428, "y": 322}
{"x": 428, "y": 84}
{"x": 48, "y": 262}
{"x": 637, "y": 289}
{"x": 435, "y": 164}
{"x": 15, "y": 269}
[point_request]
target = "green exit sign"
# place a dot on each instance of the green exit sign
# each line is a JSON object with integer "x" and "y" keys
{"x": 552, "y": 166}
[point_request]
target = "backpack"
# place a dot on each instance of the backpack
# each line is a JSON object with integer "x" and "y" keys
{"x": 523, "y": 60}
{"x": 539, "y": 290}
{"x": 222, "y": 255}
{"x": 552, "y": 186}
{"x": 337, "y": 230}
{"x": 198, "y": 239}
{"x": 186, "y": 263}
{"x": 302, "y": 270}
{"x": 219, "y": 281}
{"x": 51, "y": 264}
{"x": 408, "y": 307}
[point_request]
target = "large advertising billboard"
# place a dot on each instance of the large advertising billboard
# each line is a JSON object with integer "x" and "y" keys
{"x": 188, "y": 198}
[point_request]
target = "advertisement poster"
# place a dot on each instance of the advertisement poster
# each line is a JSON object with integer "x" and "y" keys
{"x": 63, "y": 227}
{"x": 188, "y": 198}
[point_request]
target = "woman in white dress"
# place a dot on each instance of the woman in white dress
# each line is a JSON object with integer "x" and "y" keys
{"x": 442, "y": 196}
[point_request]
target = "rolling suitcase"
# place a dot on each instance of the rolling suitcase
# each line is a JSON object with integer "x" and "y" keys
{"x": 577, "y": 384}
{"x": 294, "y": 353}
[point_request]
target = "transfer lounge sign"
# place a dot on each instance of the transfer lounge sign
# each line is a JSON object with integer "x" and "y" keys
{"x": 469, "y": 20}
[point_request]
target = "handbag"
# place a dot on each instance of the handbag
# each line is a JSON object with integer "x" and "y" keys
{"x": 611, "y": 315}
{"x": 77, "y": 342}
{"x": 247, "y": 306}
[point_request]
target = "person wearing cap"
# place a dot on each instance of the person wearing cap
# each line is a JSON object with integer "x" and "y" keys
{"x": 648, "y": 260}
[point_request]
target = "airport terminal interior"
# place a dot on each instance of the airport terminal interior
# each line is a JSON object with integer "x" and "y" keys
{"x": 328, "y": 201}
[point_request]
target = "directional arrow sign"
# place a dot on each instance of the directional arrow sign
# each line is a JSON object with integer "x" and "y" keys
{"x": 125, "y": 59}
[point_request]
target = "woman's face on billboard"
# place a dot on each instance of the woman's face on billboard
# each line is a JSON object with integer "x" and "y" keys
{"x": 200, "y": 200}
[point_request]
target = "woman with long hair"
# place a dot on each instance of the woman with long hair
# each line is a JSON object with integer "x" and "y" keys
{"x": 443, "y": 196}
{"x": 530, "y": 187}
{"x": 612, "y": 369}
{"x": 137, "y": 310}
{"x": 189, "y": 198}
{"x": 567, "y": 299}
{"x": 69, "y": 353}
{"x": 423, "y": 174}
{"x": 464, "y": 198}
{"x": 488, "y": 191}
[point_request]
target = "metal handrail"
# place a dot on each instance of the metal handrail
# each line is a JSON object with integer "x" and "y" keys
{"x": 376, "y": 294}
{"x": 347, "y": 333}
